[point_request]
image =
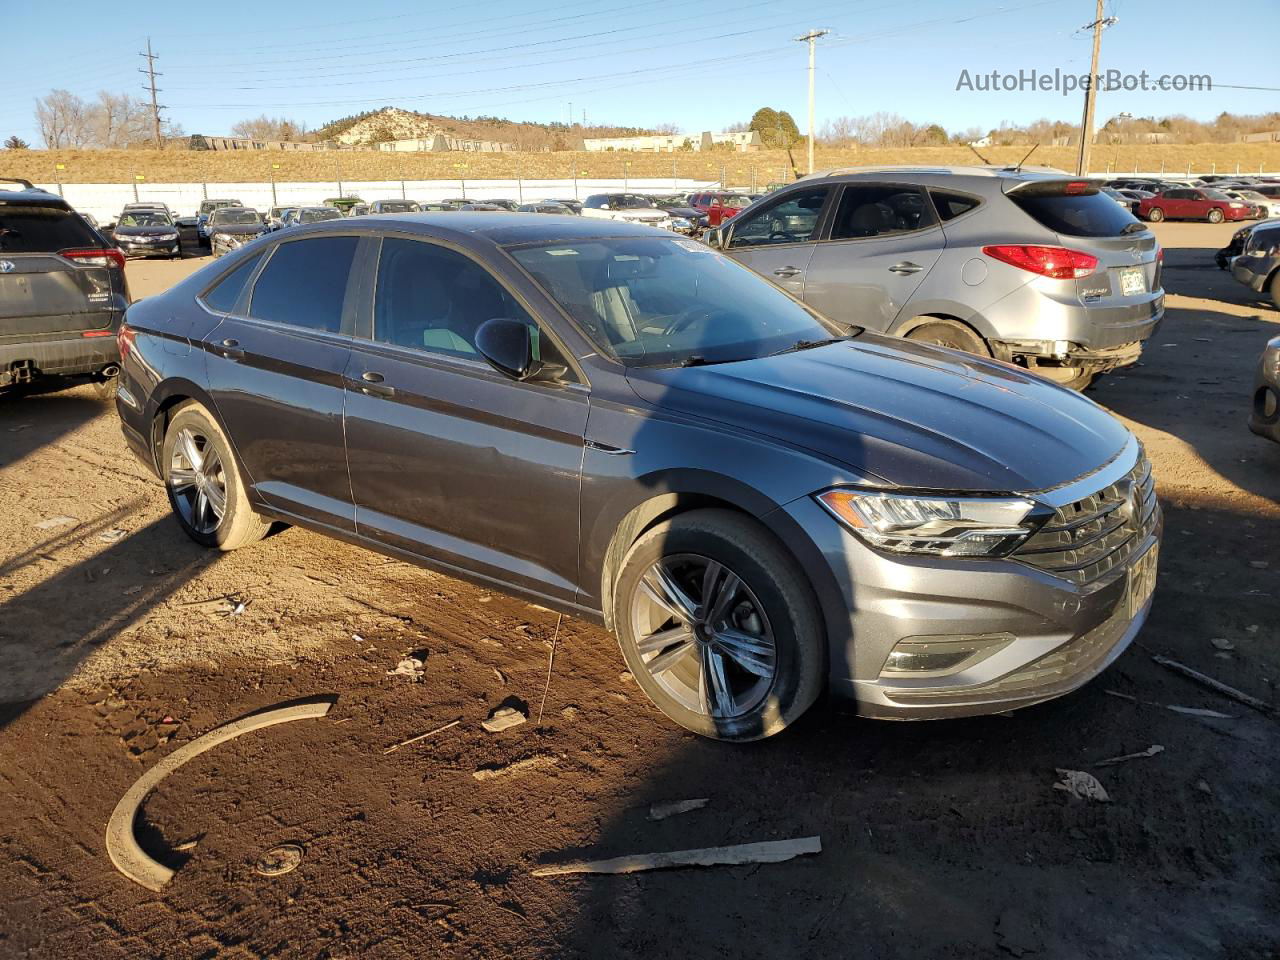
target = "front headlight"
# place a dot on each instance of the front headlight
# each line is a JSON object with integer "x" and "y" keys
{"x": 935, "y": 526}
{"x": 1236, "y": 206}
{"x": 680, "y": 223}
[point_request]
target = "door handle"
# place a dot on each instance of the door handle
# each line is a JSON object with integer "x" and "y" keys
{"x": 787, "y": 272}
{"x": 230, "y": 349}
{"x": 906, "y": 267}
{"x": 372, "y": 385}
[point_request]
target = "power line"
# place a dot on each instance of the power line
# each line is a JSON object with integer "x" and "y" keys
{"x": 150, "y": 71}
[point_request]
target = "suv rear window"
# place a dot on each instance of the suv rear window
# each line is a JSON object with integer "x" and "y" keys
{"x": 37, "y": 229}
{"x": 1064, "y": 208}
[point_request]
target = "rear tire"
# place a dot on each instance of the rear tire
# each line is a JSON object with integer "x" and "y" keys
{"x": 1073, "y": 378}
{"x": 1215, "y": 215}
{"x": 204, "y": 484}
{"x": 950, "y": 333}
{"x": 740, "y": 654}
{"x": 1155, "y": 214}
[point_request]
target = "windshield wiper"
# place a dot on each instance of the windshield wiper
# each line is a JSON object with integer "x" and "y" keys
{"x": 807, "y": 345}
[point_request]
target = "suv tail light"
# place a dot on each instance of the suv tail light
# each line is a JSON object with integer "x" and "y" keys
{"x": 1056, "y": 262}
{"x": 96, "y": 258}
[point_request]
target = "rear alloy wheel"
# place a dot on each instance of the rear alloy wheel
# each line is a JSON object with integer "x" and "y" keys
{"x": 718, "y": 627}
{"x": 1215, "y": 215}
{"x": 203, "y": 483}
{"x": 1155, "y": 214}
{"x": 950, "y": 333}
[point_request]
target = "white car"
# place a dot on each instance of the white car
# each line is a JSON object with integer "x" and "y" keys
{"x": 629, "y": 208}
{"x": 1270, "y": 205}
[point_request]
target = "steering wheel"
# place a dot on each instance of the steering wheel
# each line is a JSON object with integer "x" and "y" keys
{"x": 687, "y": 319}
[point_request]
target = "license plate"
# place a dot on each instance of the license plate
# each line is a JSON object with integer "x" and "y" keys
{"x": 1141, "y": 582}
{"x": 1132, "y": 281}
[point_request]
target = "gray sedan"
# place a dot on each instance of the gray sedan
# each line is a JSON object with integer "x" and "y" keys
{"x": 631, "y": 428}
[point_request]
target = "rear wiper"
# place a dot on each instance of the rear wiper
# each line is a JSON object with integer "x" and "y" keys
{"x": 808, "y": 345}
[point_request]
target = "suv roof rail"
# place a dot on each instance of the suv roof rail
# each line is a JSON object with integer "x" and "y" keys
{"x": 942, "y": 170}
{"x": 26, "y": 184}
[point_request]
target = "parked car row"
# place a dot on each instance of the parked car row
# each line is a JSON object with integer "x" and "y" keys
{"x": 1212, "y": 199}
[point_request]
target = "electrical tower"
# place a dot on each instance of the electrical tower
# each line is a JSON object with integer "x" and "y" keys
{"x": 150, "y": 71}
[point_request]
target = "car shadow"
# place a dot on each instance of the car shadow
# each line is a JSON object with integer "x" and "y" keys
{"x": 949, "y": 838}
{"x": 50, "y": 628}
{"x": 32, "y": 417}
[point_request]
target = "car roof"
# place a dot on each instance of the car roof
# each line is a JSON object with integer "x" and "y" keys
{"x": 941, "y": 174}
{"x": 28, "y": 194}
{"x": 502, "y": 228}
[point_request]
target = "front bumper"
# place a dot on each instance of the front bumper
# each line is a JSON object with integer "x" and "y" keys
{"x": 1253, "y": 271}
{"x": 1059, "y": 635}
{"x": 136, "y": 248}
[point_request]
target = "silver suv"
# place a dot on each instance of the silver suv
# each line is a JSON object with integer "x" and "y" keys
{"x": 1028, "y": 266}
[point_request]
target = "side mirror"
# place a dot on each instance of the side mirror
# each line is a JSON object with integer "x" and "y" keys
{"x": 508, "y": 346}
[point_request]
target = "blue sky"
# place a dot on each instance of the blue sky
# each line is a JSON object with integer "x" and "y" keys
{"x": 700, "y": 64}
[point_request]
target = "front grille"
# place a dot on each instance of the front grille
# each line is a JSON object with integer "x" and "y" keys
{"x": 1085, "y": 540}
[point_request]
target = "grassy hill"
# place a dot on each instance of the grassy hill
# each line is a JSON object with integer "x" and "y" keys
{"x": 175, "y": 166}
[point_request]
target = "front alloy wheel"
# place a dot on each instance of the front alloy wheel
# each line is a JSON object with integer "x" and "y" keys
{"x": 703, "y": 636}
{"x": 719, "y": 626}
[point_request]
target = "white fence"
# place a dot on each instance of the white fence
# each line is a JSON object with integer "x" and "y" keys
{"x": 105, "y": 200}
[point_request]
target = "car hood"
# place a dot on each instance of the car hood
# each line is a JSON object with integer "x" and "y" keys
{"x": 906, "y": 414}
{"x": 641, "y": 213}
{"x": 240, "y": 229}
{"x": 144, "y": 231}
{"x": 689, "y": 213}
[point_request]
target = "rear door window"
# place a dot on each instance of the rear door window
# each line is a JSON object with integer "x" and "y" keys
{"x": 880, "y": 210}
{"x": 43, "y": 229}
{"x": 1066, "y": 208}
{"x": 304, "y": 283}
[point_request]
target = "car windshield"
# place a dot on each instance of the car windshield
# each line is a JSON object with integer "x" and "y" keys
{"x": 652, "y": 301}
{"x": 1215, "y": 194}
{"x": 208, "y": 206}
{"x": 326, "y": 213}
{"x": 237, "y": 218}
{"x": 145, "y": 218}
{"x": 399, "y": 206}
{"x": 632, "y": 202}
{"x": 1251, "y": 195}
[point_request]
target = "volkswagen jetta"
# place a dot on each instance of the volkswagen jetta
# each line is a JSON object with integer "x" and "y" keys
{"x": 630, "y": 427}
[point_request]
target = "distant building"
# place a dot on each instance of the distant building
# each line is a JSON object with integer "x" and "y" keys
{"x": 201, "y": 142}
{"x": 442, "y": 142}
{"x": 1268, "y": 136}
{"x": 980, "y": 142}
{"x": 741, "y": 141}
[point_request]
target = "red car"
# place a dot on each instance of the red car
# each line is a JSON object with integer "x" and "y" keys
{"x": 719, "y": 207}
{"x": 1193, "y": 203}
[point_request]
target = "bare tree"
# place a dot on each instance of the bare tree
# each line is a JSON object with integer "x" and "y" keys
{"x": 269, "y": 128}
{"x": 63, "y": 120}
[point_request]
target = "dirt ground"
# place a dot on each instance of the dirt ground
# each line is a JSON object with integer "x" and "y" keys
{"x": 942, "y": 839}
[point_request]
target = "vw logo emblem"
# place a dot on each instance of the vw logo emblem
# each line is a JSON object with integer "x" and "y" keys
{"x": 7, "y": 266}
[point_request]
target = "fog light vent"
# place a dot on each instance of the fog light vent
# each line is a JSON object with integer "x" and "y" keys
{"x": 923, "y": 657}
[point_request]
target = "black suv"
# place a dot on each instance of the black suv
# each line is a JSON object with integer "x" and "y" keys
{"x": 62, "y": 290}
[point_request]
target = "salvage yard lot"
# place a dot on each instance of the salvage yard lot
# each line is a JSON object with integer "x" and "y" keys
{"x": 121, "y": 639}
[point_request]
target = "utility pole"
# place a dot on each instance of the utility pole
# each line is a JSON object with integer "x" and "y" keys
{"x": 1099, "y": 24}
{"x": 812, "y": 39}
{"x": 150, "y": 71}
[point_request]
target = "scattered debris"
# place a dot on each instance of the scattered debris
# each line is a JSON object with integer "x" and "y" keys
{"x": 52, "y": 522}
{"x": 279, "y": 860}
{"x": 19, "y": 428}
{"x": 122, "y": 845}
{"x": 1203, "y": 787}
{"x": 1082, "y": 785}
{"x": 422, "y": 736}
{"x": 660, "y": 811}
{"x": 504, "y": 718}
{"x": 1222, "y": 643}
{"x": 238, "y": 607}
{"x": 1252, "y": 628}
{"x": 769, "y": 851}
{"x": 1259, "y": 564}
{"x": 112, "y": 535}
{"x": 133, "y": 590}
{"x": 1151, "y": 751}
{"x": 1216, "y": 685}
{"x": 551, "y": 662}
{"x": 186, "y": 845}
{"x": 569, "y": 712}
{"x": 1199, "y": 712}
{"x": 357, "y": 638}
{"x": 411, "y": 667}
{"x": 493, "y": 771}
{"x": 502, "y": 677}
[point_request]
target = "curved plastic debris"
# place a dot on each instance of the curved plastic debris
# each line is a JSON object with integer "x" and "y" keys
{"x": 122, "y": 845}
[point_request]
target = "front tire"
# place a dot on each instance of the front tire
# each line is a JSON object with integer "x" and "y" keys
{"x": 205, "y": 488}
{"x": 1155, "y": 214}
{"x": 719, "y": 627}
{"x": 1215, "y": 215}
